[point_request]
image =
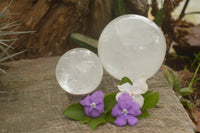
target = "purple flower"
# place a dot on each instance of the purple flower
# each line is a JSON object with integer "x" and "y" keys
{"x": 94, "y": 104}
{"x": 126, "y": 110}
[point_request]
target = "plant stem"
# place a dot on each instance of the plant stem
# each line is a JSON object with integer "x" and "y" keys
{"x": 195, "y": 74}
{"x": 192, "y": 13}
{"x": 183, "y": 10}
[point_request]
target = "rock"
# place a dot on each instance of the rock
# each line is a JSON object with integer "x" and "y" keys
{"x": 32, "y": 101}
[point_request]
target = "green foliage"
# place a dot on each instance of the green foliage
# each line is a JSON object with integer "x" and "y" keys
{"x": 193, "y": 78}
{"x": 97, "y": 121}
{"x": 169, "y": 78}
{"x": 144, "y": 114}
{"x": 119, "y": 6}
{"x": 196, "y": 60}
{"x": 186, "y": 91}
{"x": 75, "y": 111}
{"x": 150, "y": 100}
{"x": 109, "y": 102}
{"x": 177, "y": 81}
{"x": 174, "y": 80}
{"x": 110, "y": 118}
{"x": 147, "y": 93}
{"x": 84, "y": 41}
{"x": 125, "y": 80}
{"x": 86, "y": 120}
{"x": 160, "y": 16}
{"x": 187, "y": 103}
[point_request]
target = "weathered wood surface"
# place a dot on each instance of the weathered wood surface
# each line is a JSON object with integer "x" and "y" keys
{"x": 33, "y": 102}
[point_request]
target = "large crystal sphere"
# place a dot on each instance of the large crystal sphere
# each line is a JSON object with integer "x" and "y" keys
{"x": 79, "y": 71}
{"x": 132, "y": 46}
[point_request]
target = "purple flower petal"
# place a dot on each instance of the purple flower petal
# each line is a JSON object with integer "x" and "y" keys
{"x": 100, "y": 107}
{"x": 97, "y": 97}
{"x": 116, "y": 110}
{"x": 93, "y": 105}
{"x": 121, "y": 120}
{"x": 86, "y": 101}
{"x": 132, "y": 120}
{"x": 88, "y": 110}
{"x": 134, "y": 109}
{"x": 125, "y": 101}
{"x": 94, "y": 113}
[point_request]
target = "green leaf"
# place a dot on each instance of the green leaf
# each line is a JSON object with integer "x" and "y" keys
{"x": 109, "y": 117}
{"x": 150, "y": 101}
{"x": 186, "y": 91}
{"x": 109, "y": 102}
{"x": 160, "y": 16}
{"x": 177, "y": 81}
{"x": 144, "y": 114}
{"x": 119, "y": 6}
{"x": 75, "y": 111}
{"x": 125, "y": 80}
{"x": 187, "y": 103}
{"x": 86, "y": 120}
{"x": 194, "y": 76}
{"x": 147, "y": 93}
{"x": 84, "y": 41}
{"x": 97, "y": 121}
{"x": 169, "y": 77}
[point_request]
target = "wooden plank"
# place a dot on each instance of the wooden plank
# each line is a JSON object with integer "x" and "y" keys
{"x": 33, "y": 102}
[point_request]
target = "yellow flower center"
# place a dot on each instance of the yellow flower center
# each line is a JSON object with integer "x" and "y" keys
{"x": 125, "y": 111}
{"x": 132, "y": 94}
{"x": 93, "y": 105}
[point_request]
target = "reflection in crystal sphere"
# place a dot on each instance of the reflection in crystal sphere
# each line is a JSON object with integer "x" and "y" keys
{"x": 132, "y": 46}
{"x": 79, "y": 71}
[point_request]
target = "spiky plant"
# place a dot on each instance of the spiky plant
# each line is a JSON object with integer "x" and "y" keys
{"x": 6, "y": 29}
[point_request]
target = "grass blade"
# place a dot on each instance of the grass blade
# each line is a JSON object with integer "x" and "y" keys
{"x": 5, "y": 58}
{"x": 5, "y": 51}
{"x": 4, "y": 33}
{"x": 5, "y": 9}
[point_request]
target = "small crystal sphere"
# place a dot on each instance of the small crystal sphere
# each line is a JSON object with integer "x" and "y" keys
{"x": 79, "y": 71}
{"x": 132, "y": 46}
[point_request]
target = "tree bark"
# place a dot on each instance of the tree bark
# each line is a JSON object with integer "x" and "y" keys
{"x": 54, "y": 20}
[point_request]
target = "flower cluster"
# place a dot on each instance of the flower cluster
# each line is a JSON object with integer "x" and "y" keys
{"x": 129, "y": 101}
{"x": 139, "y": 87}
{"x": 119, "y": 108}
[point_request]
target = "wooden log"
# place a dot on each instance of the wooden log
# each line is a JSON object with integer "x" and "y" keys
{"x": 54, "y": 20}
{"x": 31, "y": 101}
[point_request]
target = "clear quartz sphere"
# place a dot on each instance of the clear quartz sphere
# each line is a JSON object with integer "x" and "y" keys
{"x": 79, "y": 71}
{"x": 132, "y": 46}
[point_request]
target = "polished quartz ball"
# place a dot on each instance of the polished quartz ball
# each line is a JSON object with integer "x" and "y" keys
{"x": 132, "y": 46}
{"x": 79, "y": 71}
